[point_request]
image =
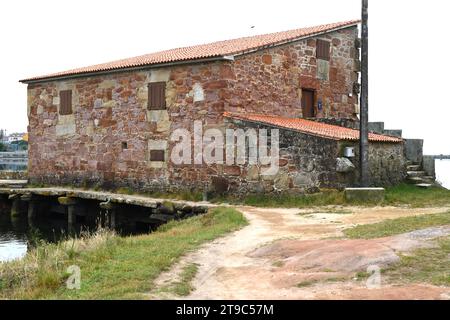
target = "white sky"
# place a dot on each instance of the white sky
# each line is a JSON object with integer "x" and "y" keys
{"x": 408, "y": 46}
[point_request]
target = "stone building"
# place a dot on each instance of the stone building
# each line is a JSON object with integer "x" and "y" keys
{"x": 111, "y": 124}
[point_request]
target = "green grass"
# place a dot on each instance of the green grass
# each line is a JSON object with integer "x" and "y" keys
{"x": 403, "y": 194}
{"x": 423, "y": 266}
{"x": 406, "y": 194}
{"x": 325, "y": 198}
{"x": 397, "y": 226}
{"x": 184, "y": 286}
{"x": 310, "y": 283}
{"x": 307, "y": 283}
{"x": 113, "y": 267}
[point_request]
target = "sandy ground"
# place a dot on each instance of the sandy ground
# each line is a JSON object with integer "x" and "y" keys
{"x": 281, "y": 248}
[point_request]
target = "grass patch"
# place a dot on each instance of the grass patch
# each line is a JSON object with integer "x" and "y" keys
{"x": 403, "y": 194}
{"x": 310, "y": 283}
{"x": 406, "y": 194}
{"x": 112, "y": 267}
{"x": 184, "y": 286}
{"x": 397, "y": 226}
{"x": 278, "y": 264}
{"x": 423, "y": 266}
{"x": 182, "y": 195}
{"x": 307, "y": 283}
{"x": 325, "y": 198}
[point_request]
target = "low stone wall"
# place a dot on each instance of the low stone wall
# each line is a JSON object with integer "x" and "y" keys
{"x": 308, "y": 163}
{"x": 13, "y": 175}
{"x": 387, "y": 164}
{"x": 414, "y": 150}
{"x": 429, "y": 166}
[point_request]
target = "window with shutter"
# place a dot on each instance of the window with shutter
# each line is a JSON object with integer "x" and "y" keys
{"x": 323, "y": 50}
{"x": 157, "y": 155}
{"x": 65, "y": 102}
{"x": 157, "y": 96}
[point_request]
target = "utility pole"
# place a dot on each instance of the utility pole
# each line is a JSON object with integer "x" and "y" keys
{"x": 364, "y": 112}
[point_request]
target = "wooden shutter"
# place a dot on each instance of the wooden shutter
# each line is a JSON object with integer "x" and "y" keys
{"x": 65, "y": 102}
{"x": 157, "y": 155}
{"x": 157, "y": 96}
{"x": 323, "y": 50}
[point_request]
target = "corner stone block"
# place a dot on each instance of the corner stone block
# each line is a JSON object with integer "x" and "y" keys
{"x": 371, "y": 195}
{"x": 67, "y": 201}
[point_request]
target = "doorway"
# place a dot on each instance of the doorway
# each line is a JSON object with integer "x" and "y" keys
{"x": 308, "y": 103}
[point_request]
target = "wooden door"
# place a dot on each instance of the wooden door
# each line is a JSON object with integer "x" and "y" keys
{"x": 308, "y": 103}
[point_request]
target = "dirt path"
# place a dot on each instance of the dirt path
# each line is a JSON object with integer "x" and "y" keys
{"x": 282, "y": 248}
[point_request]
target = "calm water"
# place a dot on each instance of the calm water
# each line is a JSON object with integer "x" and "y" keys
{"x": 16, "y": 235}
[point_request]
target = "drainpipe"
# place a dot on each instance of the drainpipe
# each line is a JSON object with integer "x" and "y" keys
{"x": 364, "y": 114}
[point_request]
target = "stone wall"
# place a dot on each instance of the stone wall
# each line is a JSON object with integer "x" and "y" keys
{"x": 387, "y": 163}
{"x": 86, "y": 148}
{"x": 271, "y": 81}
{"x": 414, "y": 150}
{"x": 429, "y": 166}
{"x": 308, "y": 163}
{"x": 107, "y": 140}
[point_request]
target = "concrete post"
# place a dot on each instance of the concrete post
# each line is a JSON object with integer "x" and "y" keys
{"x": 364, "y": 114}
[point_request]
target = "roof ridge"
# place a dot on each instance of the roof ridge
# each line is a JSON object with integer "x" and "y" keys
{"x": 212, "y": 50}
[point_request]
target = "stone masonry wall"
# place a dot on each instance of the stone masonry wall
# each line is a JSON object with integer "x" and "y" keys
{"x": 271, "y": 81}
{"x": 86, "y": 148}
{"x": 387, "y": 163}
{"x": 308, "y": 163}
{"x": 107, "y": 140}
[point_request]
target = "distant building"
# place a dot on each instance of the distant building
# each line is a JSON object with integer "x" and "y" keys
{"x": 14, "y": 137}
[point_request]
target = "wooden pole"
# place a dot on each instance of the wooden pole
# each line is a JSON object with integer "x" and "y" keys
{"x": 364, "y": 113}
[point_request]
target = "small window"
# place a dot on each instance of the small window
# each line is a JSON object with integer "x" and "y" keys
{"x": 65, "y": 102}
{"x": 323, "y": 50}
{"x": 108, "y": 94}
{"x": 124, "y": 145}
{"x": 157, "y": 155}
{"x": 157, "y": 96}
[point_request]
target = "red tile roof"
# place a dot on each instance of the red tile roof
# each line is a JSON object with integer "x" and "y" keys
{"x": 212, "y": 50}
{"x": 311, "y": 127}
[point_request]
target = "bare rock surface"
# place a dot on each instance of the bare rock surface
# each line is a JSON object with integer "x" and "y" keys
{"x": 281, "y": 249}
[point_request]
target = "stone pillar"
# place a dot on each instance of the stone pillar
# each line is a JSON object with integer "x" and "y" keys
{"x": 71, "y": 215}
{"x": 16, "y": 205}
{"x": 70, "y": 203}
{"x": 110, "y": 212}
{"x": 31, "y": 207}
{"x": 112, "y": 220}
